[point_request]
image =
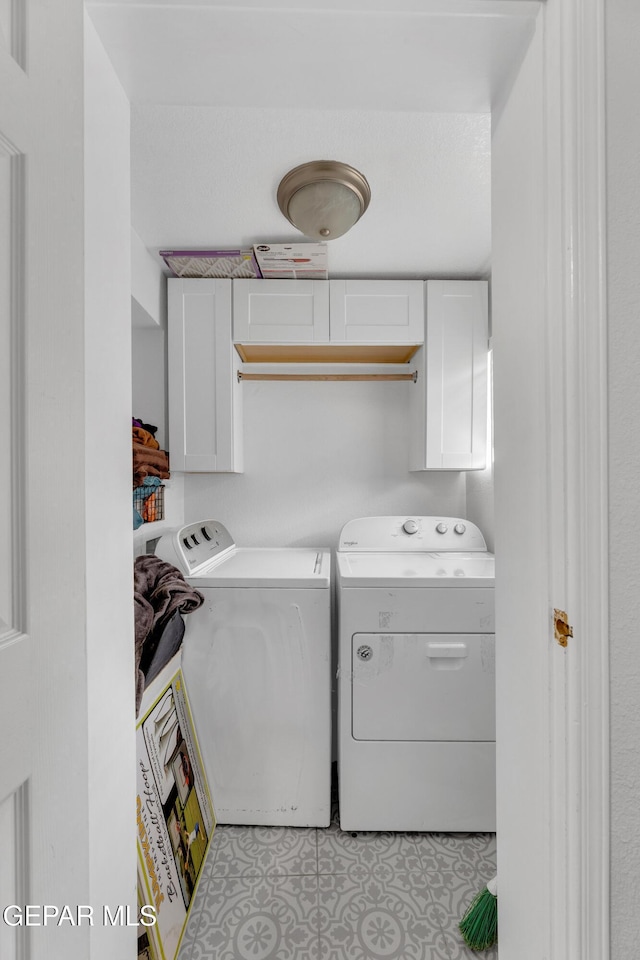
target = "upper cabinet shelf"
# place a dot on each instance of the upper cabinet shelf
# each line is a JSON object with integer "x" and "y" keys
{"x": 320, "y": 321}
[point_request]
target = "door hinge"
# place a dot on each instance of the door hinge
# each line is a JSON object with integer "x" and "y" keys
{"x": 562, "y": 628}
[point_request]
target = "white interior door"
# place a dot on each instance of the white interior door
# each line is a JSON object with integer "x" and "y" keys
{"x": 550, "y": 494}
{"x": 43, "y": 753}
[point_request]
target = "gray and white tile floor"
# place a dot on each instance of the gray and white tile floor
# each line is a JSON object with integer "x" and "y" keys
{"x": 283, "y": 893}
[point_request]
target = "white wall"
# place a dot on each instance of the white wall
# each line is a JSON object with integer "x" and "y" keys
{"x": 522, "y": 612}
{"x": 623, "y": 260}
{"x": 316, "y": 455}
{"x": 109, "y": 582}
{"x": 480, "y": 502}
{"x": 149, "y": 365}
{"x": 148, "y": 289}
{"x": 479, "y": 483}
{"x": 207, "y": 177}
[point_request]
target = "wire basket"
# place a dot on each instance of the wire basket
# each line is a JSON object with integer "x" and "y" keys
{"x": 149, "y": 502}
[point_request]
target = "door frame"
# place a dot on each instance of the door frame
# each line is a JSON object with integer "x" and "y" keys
{"x": 575, "y": 779}
{"x": 576, "y": 248}
{"x": 567, "y": 889}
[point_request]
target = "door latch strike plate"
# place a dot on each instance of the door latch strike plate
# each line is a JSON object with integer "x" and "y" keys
{"x": 562, "y": 628}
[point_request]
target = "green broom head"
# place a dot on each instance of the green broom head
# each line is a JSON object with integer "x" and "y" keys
{"x": 479, "y": 926}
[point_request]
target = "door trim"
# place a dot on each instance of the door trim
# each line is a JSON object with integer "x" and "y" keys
{"x": 574, "y": 122}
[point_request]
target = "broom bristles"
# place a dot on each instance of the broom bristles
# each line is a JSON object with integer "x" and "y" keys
{"x": 479, "y": 926}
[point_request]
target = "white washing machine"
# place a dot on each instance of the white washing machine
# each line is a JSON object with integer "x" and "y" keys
{"x": 416, "y": 687}
{"x": 257, "y": 666}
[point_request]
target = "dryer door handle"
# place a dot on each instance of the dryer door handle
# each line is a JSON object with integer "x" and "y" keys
{"x": 452, "y": 650}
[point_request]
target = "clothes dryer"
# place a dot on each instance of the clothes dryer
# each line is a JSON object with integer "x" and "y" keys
{"x": 416, "y": 687}
{"x": 256, "y": 664}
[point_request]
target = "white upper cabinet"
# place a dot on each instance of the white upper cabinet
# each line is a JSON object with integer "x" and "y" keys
{"x": 328, "y": 311}
{"x": 281, "y": 311}
{"x": 204, "y": 394}
{"x": 449, "y": 402}
{"x": 328, "y": 321}
{"x": 376, "y": 311}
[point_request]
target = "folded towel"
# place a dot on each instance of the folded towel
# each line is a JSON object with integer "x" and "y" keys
{"x": 149, "y": 463}
{"x": 139, "y": 435}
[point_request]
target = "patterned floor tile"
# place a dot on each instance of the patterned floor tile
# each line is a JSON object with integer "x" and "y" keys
{"x": 457, "y": 867}
{"x": 193, "y": 923}
{"x": 456, "y": 949}
{"x": 369, "y": 920}
{"x": 259, "y": 918}
{"x": 262, "y": 851}
{"x": 341, "y": 852}
{"x": 472, "y": 842}
{"x": 305, "y": 894}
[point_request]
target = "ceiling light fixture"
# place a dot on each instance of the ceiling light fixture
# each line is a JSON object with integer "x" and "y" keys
{"x": 323, "y": 199}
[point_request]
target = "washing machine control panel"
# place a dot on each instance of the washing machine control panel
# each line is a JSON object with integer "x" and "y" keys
{"x": 425, "y": 534}
{"x": 189, "y": 547}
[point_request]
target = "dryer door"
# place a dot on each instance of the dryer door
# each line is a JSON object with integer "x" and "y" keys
{"x": 423, "y": 686}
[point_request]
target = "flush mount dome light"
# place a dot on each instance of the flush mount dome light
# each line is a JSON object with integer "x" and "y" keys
{"x": 323, "y": 199}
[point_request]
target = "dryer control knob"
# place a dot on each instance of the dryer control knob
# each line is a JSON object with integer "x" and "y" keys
{"x": 441, "y": 528}
{"x": 410, "y": 526}
{"x": 459, "y": 528}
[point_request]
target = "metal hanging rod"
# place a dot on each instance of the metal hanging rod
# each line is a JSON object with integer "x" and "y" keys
{"x": 328, "y": 376}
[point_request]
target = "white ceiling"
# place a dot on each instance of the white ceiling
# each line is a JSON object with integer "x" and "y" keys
{"x": 226, "y": 97}
{"x": 316, "y": 54}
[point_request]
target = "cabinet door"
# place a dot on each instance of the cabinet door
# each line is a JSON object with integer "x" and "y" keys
{"x": 204, "y": 394}
{"x": 377, "y": 311}
{"x": 281, "y": 311}
{"x": 449, "y": 404}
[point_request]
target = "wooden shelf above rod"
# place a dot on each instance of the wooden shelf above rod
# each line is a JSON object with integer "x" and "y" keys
{"x": 328, "y": 376}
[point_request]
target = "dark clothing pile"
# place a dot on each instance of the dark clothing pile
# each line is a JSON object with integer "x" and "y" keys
{"x": 161, "y": 595}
